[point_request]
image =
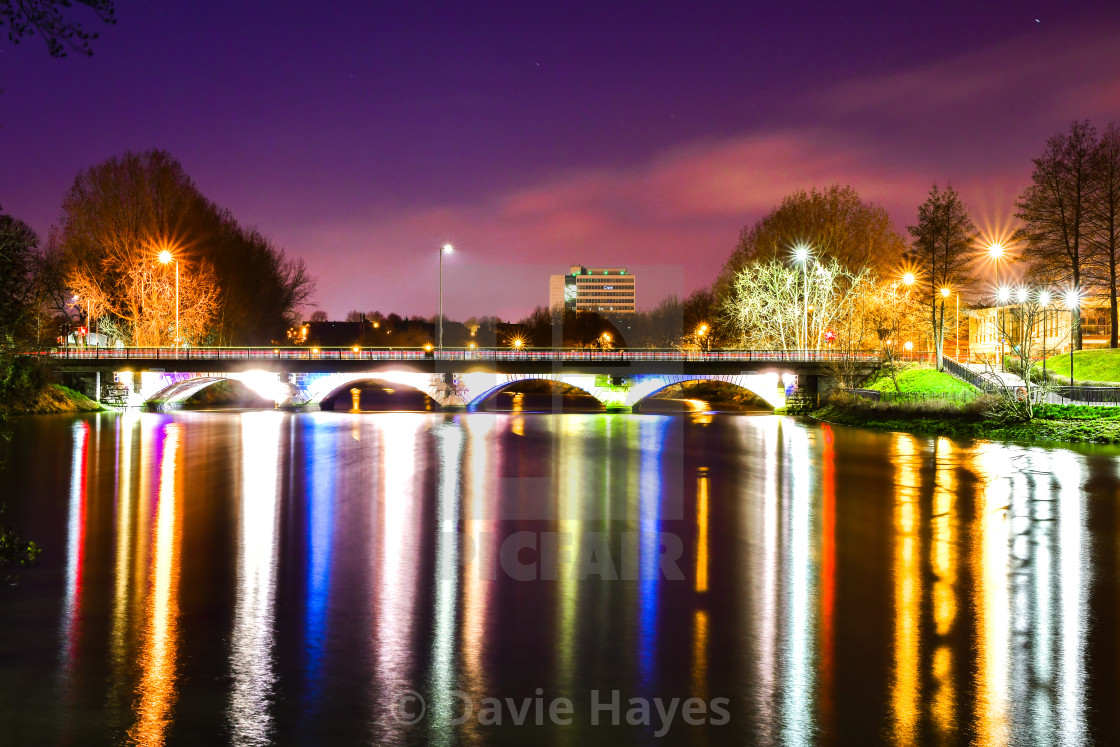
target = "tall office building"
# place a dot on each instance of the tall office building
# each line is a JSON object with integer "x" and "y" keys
{"x": 602, "y": 289}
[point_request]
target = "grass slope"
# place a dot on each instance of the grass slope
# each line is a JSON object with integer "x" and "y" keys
{"x": 52, "y": 398}
{"x": 921, "y": 379}
{"x": 1088, "y": 365}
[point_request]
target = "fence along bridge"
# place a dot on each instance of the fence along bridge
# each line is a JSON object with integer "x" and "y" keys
{"x": 453, "y": 377}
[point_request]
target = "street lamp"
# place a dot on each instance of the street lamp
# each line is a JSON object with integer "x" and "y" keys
{"x": 445, "y": 249}
{"x": 801, "y": 257}
{"x": 1044, "y": 302}
{"x": 956, "y": 324}
{"x": 1073, "y": 301}
{"x": 702, "y": 334}
{"x": 1002, "y": 295}
{"x": 164, "y": 258}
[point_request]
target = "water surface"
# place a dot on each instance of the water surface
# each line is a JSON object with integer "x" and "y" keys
{"x": 263, "y": 577}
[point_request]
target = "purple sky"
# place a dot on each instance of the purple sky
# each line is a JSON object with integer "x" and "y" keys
{"x": 535, "y": 135}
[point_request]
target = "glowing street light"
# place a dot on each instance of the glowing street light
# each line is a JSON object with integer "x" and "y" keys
{"x": 908, "y": 279}
{"x": 165, "y": 257}
{"x": 445, "y": 249}
{"x": 801, "y": 256}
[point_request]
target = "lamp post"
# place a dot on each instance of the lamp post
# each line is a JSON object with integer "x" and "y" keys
{"x": 801, "y": 256}
{"x": 908, "y": 279}
{"x": 702, "y": 334}
{"x": 1044, "y": 302}
{"x": 995, "y": 252}
{"x": 956, "y": 323}
{"x": 1002, "y": 296}
{"x": 1073, "y": 301}
{"x": 445, "y": 249}
{"x": 164, "y": 258}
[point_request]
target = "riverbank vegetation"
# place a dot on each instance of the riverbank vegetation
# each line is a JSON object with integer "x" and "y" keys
{"x": 981, "y": 417}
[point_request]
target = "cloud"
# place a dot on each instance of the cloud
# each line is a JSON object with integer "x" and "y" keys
{"x": 1045, "y": 71}
{"x": 975, "y": 120}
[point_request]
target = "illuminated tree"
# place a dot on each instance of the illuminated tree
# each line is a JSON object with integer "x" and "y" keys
{"x": 891, "y": 312}
{"x": 834, "y": 223}
{"x": 119, "y": 214}
{"x": 775, "y": 304}
{"x": 142, "y": 308}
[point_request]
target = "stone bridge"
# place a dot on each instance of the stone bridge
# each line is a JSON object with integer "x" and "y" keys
{"x": 453, "y": 378}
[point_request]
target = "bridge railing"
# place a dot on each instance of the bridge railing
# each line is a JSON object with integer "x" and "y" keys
{"x": 452, "y": 354}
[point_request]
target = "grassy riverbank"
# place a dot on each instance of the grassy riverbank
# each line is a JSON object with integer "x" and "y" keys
{"x": 916, "y": 379}
{"x": 1068, "y": 423}
{"x": 1101, "y": 366}
{"x": 51, "y": 398}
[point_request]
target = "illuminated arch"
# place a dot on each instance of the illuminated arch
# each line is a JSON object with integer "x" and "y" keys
{"x": 764, "y": 386}
{"x": 183, "y": 386}
{"x": 317, "y": 387}
{"x": 183, "y": 389}
{"x": 477, "y": 401}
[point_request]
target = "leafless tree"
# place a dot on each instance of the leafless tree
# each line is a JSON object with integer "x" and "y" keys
{"x": 773, "y": 304}
{"x": 1103, "y": 221}
{"x": 1053, "y": 212}
{"x": 51, "y": 20}
{"x": 943, "y": 252}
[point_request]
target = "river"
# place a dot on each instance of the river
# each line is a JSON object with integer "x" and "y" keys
{"x": 431, "y": 578}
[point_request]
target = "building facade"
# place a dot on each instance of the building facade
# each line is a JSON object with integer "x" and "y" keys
{"x": 610, "y": 290}
{"x": 1051, "y": 332}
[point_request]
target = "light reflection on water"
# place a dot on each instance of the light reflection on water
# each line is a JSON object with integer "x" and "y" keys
{"x": 251, "y": 657}
{"x": 838, "y": 585}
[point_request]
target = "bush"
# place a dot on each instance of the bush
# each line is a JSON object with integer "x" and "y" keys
{"x": 23, "y": 378}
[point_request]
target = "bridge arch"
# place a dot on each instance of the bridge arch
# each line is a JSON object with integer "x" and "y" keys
{"x": 478, "y": 401}
{"x": 181, "y": 390}
{"x": 317, "y": 387}
{"x": 175, "y": 388}
{"x": 343, "y": 387}
{"x": 764, "y": 386}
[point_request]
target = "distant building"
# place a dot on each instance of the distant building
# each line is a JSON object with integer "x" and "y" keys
{"x": 602, "y": 289}
{"x": 1051, "y": 331}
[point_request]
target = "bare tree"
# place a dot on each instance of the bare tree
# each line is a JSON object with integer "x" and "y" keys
{"x": 943, "y": 250}
{"x": 48, "y": 18}
{"x": 891, "y": 310}
{"x": 1024, "y": 325}
{"x": 1103, "y": 221}
{"x": 1053, "y": 212}
{"x": 774, "y": 305}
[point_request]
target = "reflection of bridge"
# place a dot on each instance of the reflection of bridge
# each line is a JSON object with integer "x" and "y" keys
{"x": 453, "y": 377}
